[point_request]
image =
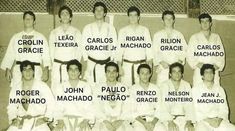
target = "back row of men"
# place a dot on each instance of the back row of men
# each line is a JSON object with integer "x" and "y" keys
{"x": 112, "y": 106}
{"x": 98, "y": 44}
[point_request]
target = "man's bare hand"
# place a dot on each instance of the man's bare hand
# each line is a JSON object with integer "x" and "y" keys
{"x": 45, "y": 74}
{"x": 172, "y": 126}
{"x": 84, "y": 125}
{"x": 8, "y": 75}
{"x": 16, "y": 122}
{"x": 214, "y": 122}
{"x": 40, "y": 121}
{"x": 189, "y": 126}
{"x": 109, "y": 125}
{"x": 59, "y": 126}
{"x": 116, "y": 124}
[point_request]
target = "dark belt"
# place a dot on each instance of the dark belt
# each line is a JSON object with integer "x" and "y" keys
{"x": 132, "y": 68}
{"x": 144, "y": 118}
{"x": 176, "y": 116}
{"x": 34, "y": 63}
{"x": 61, "y": 63}
{"x": 100, "y": 62}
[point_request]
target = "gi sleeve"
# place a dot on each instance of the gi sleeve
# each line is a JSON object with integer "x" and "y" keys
{"x": 9, "y": 57}
{"x": 52, "y": 40}
{"x": 85, "y": 35}
{"x": 156, "y": 47}
{"x": 223, "y": 108}
{"x": 46, "y": 54}
{"x": 164, "y": 110}
{"x": 126, "y": 113}
{"x": 50, "y": 101}
{"x": 191, "y": 59}
{"x": 113, "y": 34}
{"x": 59, "y": 105}
{"x": 188, "y": 106}
{"x": 80, "y": 48}
{"x": 220, "y": 60}
{"x": 12, "y": 108}
{"x": 182, "y": 54}
{"x": 120, "y": 50}
{"x": 149, "y": 51}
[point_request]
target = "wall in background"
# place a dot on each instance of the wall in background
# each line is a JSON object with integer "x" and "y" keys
{"x": 12, "y": 23}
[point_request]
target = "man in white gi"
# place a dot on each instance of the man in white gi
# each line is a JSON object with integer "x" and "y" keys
{"x": 99, "y": 39}
{"x": 146, "y": 103}
{"x": 31, "y": 102}
{"x": 205, "y": 47}
{"x": 65, "y": 45}
{"x": 74, "y": 102}
{"x": 177, "y": 96}
{"x": 134, "y": 47}
{"x": 111, "y": 114}
{"x": 27, "y": 45}
{"x": 210, "y": 103}
{"x": 169, "y": 47}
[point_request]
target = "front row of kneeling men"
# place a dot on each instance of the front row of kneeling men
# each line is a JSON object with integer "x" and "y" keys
{"x": 111, "y": 106}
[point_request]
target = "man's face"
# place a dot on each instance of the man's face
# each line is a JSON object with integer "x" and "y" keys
{"x": 28, "y": 21}
{"x": 144, "y": 75}
{"x": 133, "y": 17}
{"x": 205, "y": 24}
{"x": 99, "y": 13}
{"x": 208, "y": 75}
{"x": 27, "y": 73}
{"x": 65, "y": 17}
{"x": 111, "y": 74}
{"x": 73, "y": 72}
{"x": 176, "y": 74}
{"x": 168, "y": 20}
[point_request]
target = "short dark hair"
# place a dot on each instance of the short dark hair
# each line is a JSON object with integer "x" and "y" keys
{"x": 25, "y": 64}
{"x": 111, "y": 64}
{"x": 176, "y": 65}
{"x": 100, "y": 4}
{"x": 205, "y": 67}
{"x": 74, "y": 62}
{"x": 167, "y": 12}
{"x": 144, "y": 66}
{"x": 65, "y": 8}
{"x": 133, "y": 8}
{"x": 29, "y": 13}
{"x": 204, "y": 15}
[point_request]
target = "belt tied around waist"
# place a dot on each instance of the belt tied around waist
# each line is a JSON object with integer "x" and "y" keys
{"x": 34, "y": 63}
{"x": 132, "y": 68}
{"x": 100, "y": 62}
{"x": 61, "y": 63}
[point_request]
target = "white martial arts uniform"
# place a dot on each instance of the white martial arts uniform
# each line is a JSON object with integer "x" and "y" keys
{"x": 93, "y": 36}
{"x": 195, "y": 45}
{"x": 111, "y": 110}
{"x": 64, "y": 46}
{"x": 73, "y": 112}
{"x": 182, "y": 110}
{"x": 37, "y": 111}
{"x": 211, "y": 110}
{"x": 149, "y": 110}
{"x": 132, "y": 57}
{"x": 169, "y": 56}
{"x": 12, "y": 55}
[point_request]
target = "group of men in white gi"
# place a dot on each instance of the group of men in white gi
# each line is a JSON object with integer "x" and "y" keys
{"x": 117, "y": 94}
